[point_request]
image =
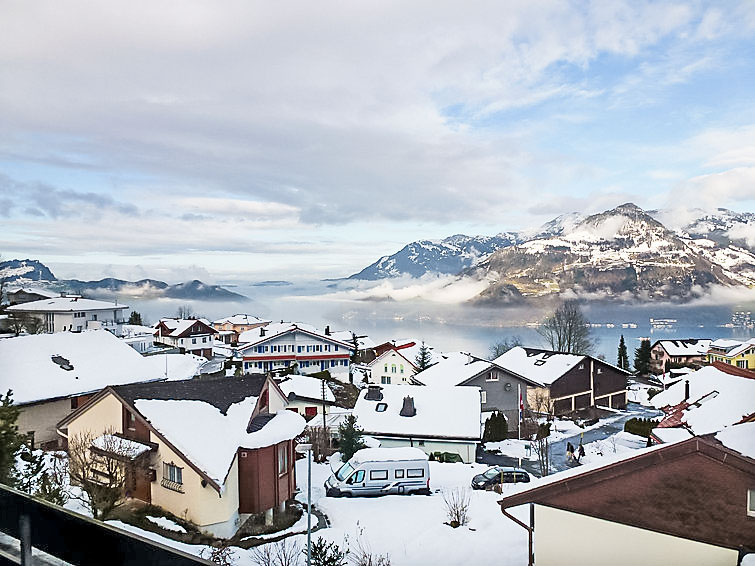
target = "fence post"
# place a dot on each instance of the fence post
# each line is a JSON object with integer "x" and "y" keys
{"x": 24, "y": 527}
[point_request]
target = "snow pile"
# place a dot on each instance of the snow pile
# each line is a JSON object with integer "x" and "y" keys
{"x": 449, "y": 412}
{"x": 452, "y": 369}
{"x": 619, "y": 444}
{"x": 209, "y": 438}
{"x": 98, "y": 358}
{"x": 166, "y": 524}
{"x": 306, "y": 386}
{"x": 740, "y": 437}
{"x": 717, "y": 399}
{"x": 388, "y": 455}
{"x": 513, "y": 448}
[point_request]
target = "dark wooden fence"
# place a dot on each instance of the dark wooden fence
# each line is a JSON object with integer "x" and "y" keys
{"x": 76, "y": 539}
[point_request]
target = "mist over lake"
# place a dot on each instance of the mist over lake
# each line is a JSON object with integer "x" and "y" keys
{"x": 457, "y": 327}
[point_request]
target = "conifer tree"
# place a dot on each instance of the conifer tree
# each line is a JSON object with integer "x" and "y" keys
{"x": 10, "y": 440}
{"x": 349, "y": 438}
{"x": 642, "y": 357}
{"x": 623, "y": 356}
{"x": 423, "y": 358}
{"x": 135, "y": 318}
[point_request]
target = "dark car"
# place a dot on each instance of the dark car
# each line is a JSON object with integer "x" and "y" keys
{"x": 499, "y": 474}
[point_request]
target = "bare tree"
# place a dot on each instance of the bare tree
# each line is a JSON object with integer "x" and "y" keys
{"x": 34, "y": 324}
{"x": 500, "y": 348}
{"x": 185, "y": 312}
{"x": 16, "y": 322}
{"x": 21, "y": 321}
{"x": 99, "y": 466}
{"x": 361, "y": 553}
{"x": 567, "y": 330}
{"x": 540, "y": 401}
{"x": 542, "y": 448}
{"x": 286, "y": 552}
{"x": 457, "y": 502}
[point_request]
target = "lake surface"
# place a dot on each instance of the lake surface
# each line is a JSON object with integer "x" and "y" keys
{"x": 449, "y": 327}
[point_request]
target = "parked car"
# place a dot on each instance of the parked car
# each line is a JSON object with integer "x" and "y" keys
{"x": 499, "y": 474}
{"x": 381, "y": 471}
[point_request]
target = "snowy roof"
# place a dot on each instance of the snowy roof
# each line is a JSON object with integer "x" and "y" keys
{"x": 732, "y": 347}
{"x": 178, "y": 326}
{"x": 210, "y": 438}
{"x": 35, "y": 291}
{"x": 445, "y": 412}
{"x": 668, "y": 435}
{"x": 262, "y": 334}
{"x": 740, "y": 437}
{"x": 364, "y": 342}
{"x": 130, "y": 449}
{"x": 240, "y": 319}
{"x": 179, "y": 366}
{"x": 537, "y": 365}
{"x": 387, "y": 454}
{"x": 130, "y": 330}
{"x": 97, "y": 356}
{"x": 689, "y": 347}
{"x": 717, "y": 399}
{"x": 306, "y": 386}
{"x": 66, "y": 304}
{"x": 452, "y": 369}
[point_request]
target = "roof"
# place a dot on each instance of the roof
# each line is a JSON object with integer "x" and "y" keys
{"x": 306, "y": 387}
{"x": 66, "y": 304}
{"x": 241, "y": 319}
{"x": 260, "y": 335}
{"x": 687, "y": 347}
{"x": 733, "y": 370}
{"x": 442, "y": 412}
{"x": 452, "y": 369}
{"x": 740, "y": 438}
{"x": 220, "y": 393}
{"x": 98, "y": 359}
{"x": 732, "y": 348}
{"x": 182, "y": 327}
{"x": 676, "y": 489}
{"x": 716, "y": 400}
{"x": 35, "y": 291}
{"x": 669, "y": 435}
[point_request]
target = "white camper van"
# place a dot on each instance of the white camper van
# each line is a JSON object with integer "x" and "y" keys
{"x": 380, "y": 471}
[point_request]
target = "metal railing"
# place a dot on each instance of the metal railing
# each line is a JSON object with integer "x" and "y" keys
{"x": 75, "y": 539}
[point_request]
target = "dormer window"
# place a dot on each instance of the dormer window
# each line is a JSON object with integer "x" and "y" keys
{"x": 539, "y": 362}
{"x": 381, "y": 407}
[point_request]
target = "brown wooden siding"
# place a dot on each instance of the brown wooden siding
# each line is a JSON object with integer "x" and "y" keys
{"x": 134, "y": 428}
{"x": 261, "y": 487}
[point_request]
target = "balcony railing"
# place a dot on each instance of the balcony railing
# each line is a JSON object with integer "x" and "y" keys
{"x": 75, "y": 539}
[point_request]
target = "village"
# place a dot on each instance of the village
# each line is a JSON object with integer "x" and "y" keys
{"x": 234, "y": 440}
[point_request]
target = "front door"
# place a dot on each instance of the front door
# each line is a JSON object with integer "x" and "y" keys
{"x": 138, "y": 483}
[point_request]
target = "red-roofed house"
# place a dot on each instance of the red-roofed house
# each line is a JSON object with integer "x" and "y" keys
{"x": 190, "y": 336}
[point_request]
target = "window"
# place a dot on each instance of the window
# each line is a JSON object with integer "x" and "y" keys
{"x": 193, "y": 340}
{"x": 393, "y": 368}
{"x": 421, "y": 443}
{"x": 483, "y": 397}
{"x": 204, "y": 339}
{"x": 94, "y": 317}
{"x": 599, "y": 370}
{"x": 336, "y": 348}
{"x": 172, "y": 477}
{"x": 398, "y": 474}
{"x": 751, "y": 502}
{"x": 282, "y": 459}
{"x": 492, "y": 376}
{"x": 415, "y": 473}
{"x": 385, "y": 368}
{"x": 402, "y": 368}
{"x": 298, "y": 349}
{"x": 356, "y": 478}
{"x": 742, "y": 364}
{"x": 381, "y": 407}
{"x": 581, "y": 366}
{"x": 385, "y": 379}
{"x": 378, "y": 474}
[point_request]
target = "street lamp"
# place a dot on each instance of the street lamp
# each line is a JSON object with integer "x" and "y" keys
{"x": 301, "y": 448}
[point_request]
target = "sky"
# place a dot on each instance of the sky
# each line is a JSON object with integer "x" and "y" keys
{"x": 242, "y": 140}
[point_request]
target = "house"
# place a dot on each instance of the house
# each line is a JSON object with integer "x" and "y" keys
{"x": 733, "y": 352}
{"x": 707, "y": 401}
{"x": 140, "y": 338}
{"x": 230, "y": 328}
{"x": 308, "y": 396}
{"x": 500, "y": 389}
{"x": 691, "y": 502}
{"x": 52, "y": 374}
{"x": 568, "y": 382}
{"x": 74, "y": 314}
{"x": 29, "y": 294}
{"x": 219, "y": 450}
{"x": 188, "y": 335}
{"x": 665, "y": 354}
{"x": 391, "y": 367}
{"x": 435, "y": 419}
{"x": 282, "y": 345}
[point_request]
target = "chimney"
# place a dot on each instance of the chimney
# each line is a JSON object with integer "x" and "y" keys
{"x": 373, "y": 393}
{"x": 469, "y": 358}
{"x": 327, "y": 330}
{"x": 408, "y": 409}
{"x": 686, "y": 389}
{"x": 262, "y": 332}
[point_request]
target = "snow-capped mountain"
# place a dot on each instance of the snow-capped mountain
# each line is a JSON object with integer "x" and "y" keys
{"x": 620, "y": 252}
{"x": 448, "y": 256}
{"x": 30, "y": 270}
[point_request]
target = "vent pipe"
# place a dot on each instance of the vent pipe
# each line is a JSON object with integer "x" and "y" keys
{"x": 686, "y": 389}
{"x": 408, "y": 410}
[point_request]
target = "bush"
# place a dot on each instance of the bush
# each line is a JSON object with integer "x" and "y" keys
{"x": 652, "y": 392}
{"x": 326, "y": 553}
{"x": 457, "y": 506}
{"x": 640, "y": 427}
{"x": 496, "y": 428}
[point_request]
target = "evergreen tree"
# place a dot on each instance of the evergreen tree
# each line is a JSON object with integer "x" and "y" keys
{"x": 10, "y": 440}
{"x": 135, "y": 318}
{"x": 349, "y": 438}
{"x": 623, "y": 356}
{"x": 496, "y": 428}
{"x": 29, "y": 475}
{"x": 423, "y": 359}
{"x": 642, "y": 358}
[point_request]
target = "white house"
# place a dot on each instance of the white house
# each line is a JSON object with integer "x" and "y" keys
{"x": 308, "y": 396}
{"x": 75, "y": 314}
{"x": 191, "y": 336}
{"x": 391, "y": 367}
{"x": 435, "y": 419}
{"x": 280, "y": 346}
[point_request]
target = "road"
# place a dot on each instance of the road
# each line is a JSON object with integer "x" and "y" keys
{"x": 558, "y": 448}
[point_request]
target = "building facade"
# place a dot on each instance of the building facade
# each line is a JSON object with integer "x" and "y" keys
{"x": 189, "y": 336}
{"x": 74, "y": 314}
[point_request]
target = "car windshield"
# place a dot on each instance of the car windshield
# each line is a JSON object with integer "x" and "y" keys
{"x": 491, "y": 473}
{"x": 344, "y": 472}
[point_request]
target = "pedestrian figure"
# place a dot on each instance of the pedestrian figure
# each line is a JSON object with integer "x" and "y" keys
{"x": 569, "y": 452}
{"x": 581, "y": 452}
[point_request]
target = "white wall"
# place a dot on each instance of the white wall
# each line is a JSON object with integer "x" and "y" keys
{"x": 392, "y": 360}
{"x": 464, "y": 449}
{"x": 597, "y": 542}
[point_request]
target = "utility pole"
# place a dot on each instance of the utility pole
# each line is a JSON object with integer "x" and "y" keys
{"x": 323, "y": 385}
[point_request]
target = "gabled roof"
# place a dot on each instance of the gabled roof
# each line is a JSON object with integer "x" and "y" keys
{"x": 66, "y": 304}
{"x": 459, "y": 368}
{"x": 255, "y": 337}
{"x": 181, "y": 328}
{"x": 28, "y": 365}
{"x": 306, "y": 387}
{"x": 387, "y": 354}
{"x": 442, "y": 412}
{"x": 674, "y": 489}
{"x": 34, "y": 291}
{"x": 239, "y": 319}
{"x": 731, "y": 348}
{"x": 686, "y": 347}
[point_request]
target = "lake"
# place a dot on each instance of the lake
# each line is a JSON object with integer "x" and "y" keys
{"x": 457, "y": 327}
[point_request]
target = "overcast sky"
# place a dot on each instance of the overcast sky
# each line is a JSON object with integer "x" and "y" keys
{"x": 244, "y": 140}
